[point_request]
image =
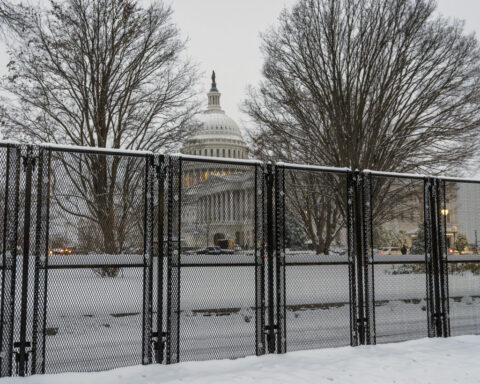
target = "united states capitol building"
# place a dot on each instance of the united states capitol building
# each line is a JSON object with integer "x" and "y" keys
{"x": 218, "y": 199}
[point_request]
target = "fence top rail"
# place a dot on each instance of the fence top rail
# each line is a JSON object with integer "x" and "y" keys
{"x": 459, "y": 179}
{"x": 223, "y": 160}
{"x": 219, "y": 160}
{"x": 397, "y": 174}
{"x": 80, "y": 149}
{"x": 419, "y": 176}
{"x": 303, "y": 167}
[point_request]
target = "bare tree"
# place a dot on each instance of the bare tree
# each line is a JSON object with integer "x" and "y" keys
{"x": 368, "y": 84}
{"x": 10, "y": 17}
{"x": 101, "y": 73}
{"x": 318, "y": 204}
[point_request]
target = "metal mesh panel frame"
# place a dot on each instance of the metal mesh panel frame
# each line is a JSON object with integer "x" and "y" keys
{"x": 282, "y": 265}
{"x": 449, "y": 318}
{"x": 175, "y": 167}
{"x": 44, "y": 267}
{"x": 41, "y": 263}
{"x": 9, "y": 258}
{"x": 368, "y": 228}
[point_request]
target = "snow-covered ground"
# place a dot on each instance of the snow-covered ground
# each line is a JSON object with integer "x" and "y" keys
{"x": 95, "y": 323}
{"x": 439, "y": 361}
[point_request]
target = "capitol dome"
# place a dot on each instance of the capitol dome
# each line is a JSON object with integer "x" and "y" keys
{"x": 218, "y": 134}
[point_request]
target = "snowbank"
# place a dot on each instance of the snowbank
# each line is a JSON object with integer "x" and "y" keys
{"x": 452, "y": 360}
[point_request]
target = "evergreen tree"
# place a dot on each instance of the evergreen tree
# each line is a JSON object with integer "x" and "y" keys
{"x": 418, "y": 243}
{"x": 461, "y": 242}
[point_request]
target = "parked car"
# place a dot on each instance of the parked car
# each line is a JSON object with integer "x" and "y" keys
{"x": 214, "y": 250}
{"x": 210, "y": 251}
{"x": 390, "y": 251}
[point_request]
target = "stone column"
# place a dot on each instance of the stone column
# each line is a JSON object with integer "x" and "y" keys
{"x": 222, "y": 206}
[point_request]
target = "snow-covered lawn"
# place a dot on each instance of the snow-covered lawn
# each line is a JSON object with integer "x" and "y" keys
{"x": 95, "y": 323}
{"x": 452, "y": 360}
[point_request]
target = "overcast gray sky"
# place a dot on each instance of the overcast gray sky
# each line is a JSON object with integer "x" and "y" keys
{"x": 225, "y": 35}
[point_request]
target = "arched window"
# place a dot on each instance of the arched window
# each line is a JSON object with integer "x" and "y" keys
{"x": 218, "y": 152}
{"x": 205, "y": 152}
{"x": 229, "y": 153}
{"x": 211, "y": 152}
{"x": 223, "y": 152}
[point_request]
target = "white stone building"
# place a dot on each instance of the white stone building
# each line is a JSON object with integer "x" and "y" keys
{"x": 218, "y": 199}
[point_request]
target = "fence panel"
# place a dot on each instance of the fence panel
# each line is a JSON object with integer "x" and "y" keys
{"x": 397, "y": 247}
{"x": 99, "y": 262}
{"x": 318, "y": 270}
{"x": 461, "y": 212}
{"x": 219, "y": 234}
{"x": 112, "y": 259}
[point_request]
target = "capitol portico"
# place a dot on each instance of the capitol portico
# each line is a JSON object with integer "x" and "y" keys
{"x": 218, "y": 199}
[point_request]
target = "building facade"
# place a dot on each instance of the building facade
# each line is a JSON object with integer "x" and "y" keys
{"x": 218, "y": 199}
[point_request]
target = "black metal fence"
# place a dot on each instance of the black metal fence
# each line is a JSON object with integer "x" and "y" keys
{"x": 116, "y": 258}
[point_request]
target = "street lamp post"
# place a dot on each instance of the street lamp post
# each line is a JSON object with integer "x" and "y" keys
{"x": 454, "y": 231}
{"x": 476, "y": 241}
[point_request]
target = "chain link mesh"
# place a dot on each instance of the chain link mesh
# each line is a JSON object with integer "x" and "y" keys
{"x": 317, "y": 265}
{"x": 98, "y": 262}
{"x": 111, "y": 260}
{"x": 462, "y": 224}
{"x": 398, "y": 250}
{"x": 219, "y": 242}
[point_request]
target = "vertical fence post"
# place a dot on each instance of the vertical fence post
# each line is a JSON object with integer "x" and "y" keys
{"x": 168, "y": 339}
{"x": 437, "y": 317}
{"x": 280, "y": 257}
{"x": 359, "y": 258}
{"x": 161, "y": 173}
{"x": 442, "y": 258}
{"x": 350, "y": 200}
{"x": 427, "y": 198}
{"x": 173, "y": 261}
{"x": 148, "y": 260}
{"x": 259, "y": 260}
{"x": 28, "y": 163}
{"x": 9, "y": 262}
{"x": 367, "y": 259}
{"x": 41, "y": 262}
{"x": 271, "y": 301}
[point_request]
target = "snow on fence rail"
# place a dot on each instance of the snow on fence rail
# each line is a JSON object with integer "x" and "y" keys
{"x": 115, "y": 257}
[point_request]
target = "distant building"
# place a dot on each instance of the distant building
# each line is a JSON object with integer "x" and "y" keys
{"x": 218, "y": 199}
{"x": 467, "y": 211}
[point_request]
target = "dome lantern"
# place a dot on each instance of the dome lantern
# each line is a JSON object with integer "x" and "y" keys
{"x": 217, "y": 135}
{"x": 214, "y": 96}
